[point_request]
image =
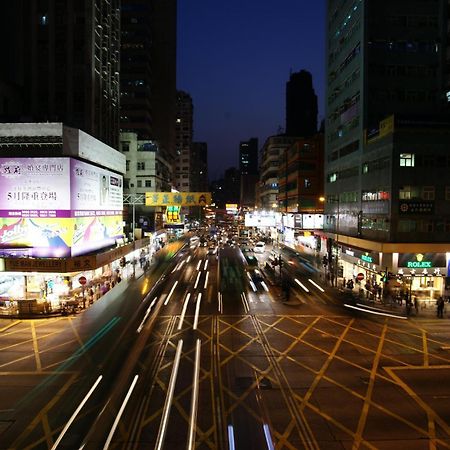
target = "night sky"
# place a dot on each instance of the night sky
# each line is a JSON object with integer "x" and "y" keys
{"x": 234, "y": 59}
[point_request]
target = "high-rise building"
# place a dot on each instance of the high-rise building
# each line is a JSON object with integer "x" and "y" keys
{"x": 386, "y": 142}
{"x": 199, "y": 170}
{"x": 64, "y": 60}
{"x": 248, "y": 165}
{"x": 184, "y": 135}
{"x": 148, "y": 71}
{"x": 301, "y": 105}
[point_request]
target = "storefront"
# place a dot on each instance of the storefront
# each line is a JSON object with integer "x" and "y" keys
{"x": 421, "y": 276}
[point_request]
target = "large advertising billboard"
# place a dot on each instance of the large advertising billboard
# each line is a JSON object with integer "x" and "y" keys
{"x": 177, "y": 198}
{"x": 58, "y": 207}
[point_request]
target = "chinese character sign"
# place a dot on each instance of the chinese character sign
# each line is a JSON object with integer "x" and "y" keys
{"x": 177, "y": 198}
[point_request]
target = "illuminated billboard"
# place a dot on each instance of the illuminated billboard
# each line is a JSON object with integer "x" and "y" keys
{"x": 177, "y": 198}
{"x": 58, "y": 206}
{"x": 259, "y": 220}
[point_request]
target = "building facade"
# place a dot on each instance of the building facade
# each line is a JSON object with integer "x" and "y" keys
{"x": 271, "y": 153}
{"x": 184, "y": 136}
{"x": 386, "y": 141}
{"x": 64, "y": 59}
{"x": 248, "y": 166}
{"x": 199, "y": 172}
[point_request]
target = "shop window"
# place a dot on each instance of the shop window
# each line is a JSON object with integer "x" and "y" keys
{"x": 406, "y": 159}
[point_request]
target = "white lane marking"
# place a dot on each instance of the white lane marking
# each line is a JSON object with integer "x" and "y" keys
{"x": 264, "y": 285}
{"x": 196, "y": 281}
{"x": 194, "y": 398}
{"x": 316, "y": 285}
{"x": 139, "y": 329}
{"x": 197, "y": 310}
{"x": 183, "y": 312}
{"x": 170, "y": 293}
{"x": 198, "y": 265}
{"x": 253, "y": 286}
{"x": 268, "y": 437}
{"x": 168, "y": 402}
{"x": 219, "y": 302}
{"x": 205, "y": 265}
{"x": 206, "y": 280}
{"x": 375, "y": 312}
{"x": 189, "y": 258}
{"x": 119, "y": 414}
{"x": 302, "y": 285}
{"x": 245, "y": 303}
{"x": 231, "y": 445}
{"x": 80, "y": 406}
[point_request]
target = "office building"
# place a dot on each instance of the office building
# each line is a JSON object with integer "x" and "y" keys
{"x": 63, "y": 57}
{"x": 184, "y": 136}
{"x": 301, "y": 105}
{"x": 248, "y": 166}
{"x": 386, "y": 142}
{"x": 199, "y": 171}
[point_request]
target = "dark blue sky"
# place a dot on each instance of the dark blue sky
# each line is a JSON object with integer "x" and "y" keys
{"x": 234, "y": 59}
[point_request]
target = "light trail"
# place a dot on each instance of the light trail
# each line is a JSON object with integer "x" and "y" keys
{"x": 316, "y": 285}
{"x": 302, "y": 285}
{"x": 253, "y": 286}
{"x": 231, "y": 445}
{"x": 205, "y": 265}
{"x": 197, "y": 310}
{"x": 206, "y": 280}
{"x": 183, "y": 312}
{"x": 74, "y": 415}
{"x": 264, "y": 285}
{"x": 139, "y": 329}
{"x": 189, "y": 258}
{"x": 194, "y": 398}
{"x": 198, "y": 265}
{"x": 268, "y": 437}
{"x": 119, "y": 414}
{"x": 170, "y": 293}
{"x": 196, "y": 281}
{"x": 375, "y": 312}
{"x": 169, "y": 397}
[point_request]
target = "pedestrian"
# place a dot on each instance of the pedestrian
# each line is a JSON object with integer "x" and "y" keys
{"x": 408, "y": 307}
{"x": 416, "y": 305}
{"x": 344, "y": 282}
{"x": 440, "y": 307}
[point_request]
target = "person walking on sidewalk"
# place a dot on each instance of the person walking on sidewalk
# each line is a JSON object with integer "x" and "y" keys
{"x": 440, "y": 307}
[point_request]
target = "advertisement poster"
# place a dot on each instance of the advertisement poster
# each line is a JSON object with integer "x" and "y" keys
{"x": 38, "y": 186}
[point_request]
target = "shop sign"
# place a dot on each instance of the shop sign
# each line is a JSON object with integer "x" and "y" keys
{"x": 416, "y": 207}
{"x": 35, "y": 265}
{"x": 105, "y": 258}
{"x": 177, "y": 198}
{"x": 367, "y": 257}
{"x": 80, "y": 263}
{"x": 421, "y": 260}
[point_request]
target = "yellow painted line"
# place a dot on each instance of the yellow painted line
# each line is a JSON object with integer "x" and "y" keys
{"x": 32, "y": 425}
{"x": 432, "y": 414}
{"x": 432, "y": 433}
{"x": 367, "y": 400}
{"x": 36, "y": 347}
{"x": 425, "y": 349}
{"x": 47, "y": 431}
{"x": 9, "y": 326}
{"x": 44, "y": 372}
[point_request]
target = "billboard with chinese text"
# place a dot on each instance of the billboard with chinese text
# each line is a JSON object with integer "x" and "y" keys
{"x": 177, "y": 198}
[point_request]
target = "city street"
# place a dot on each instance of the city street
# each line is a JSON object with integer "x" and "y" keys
{"x": 207, "y": 355}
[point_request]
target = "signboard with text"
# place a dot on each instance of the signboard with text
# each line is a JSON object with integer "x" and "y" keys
{"x": 422, "y": 260}
{"x": 177, "y": 198}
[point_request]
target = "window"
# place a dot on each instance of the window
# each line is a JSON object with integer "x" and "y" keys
{"x": 406, "y": 159}
{"x": 365, "y": 168}
{"x": 139, "y": 183}
{"x": 43, "y": 20}
{"x": 407, "y": 226}
{"x": 428, "y": 193}
{"x": 408, "y": 192}
{"x": 127, "y": 165}
{"x": 125, "y": 146}
{"x": 148, "y": 183}
{"x": 307, "y": 183}
{"x": 141, "y": 165}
